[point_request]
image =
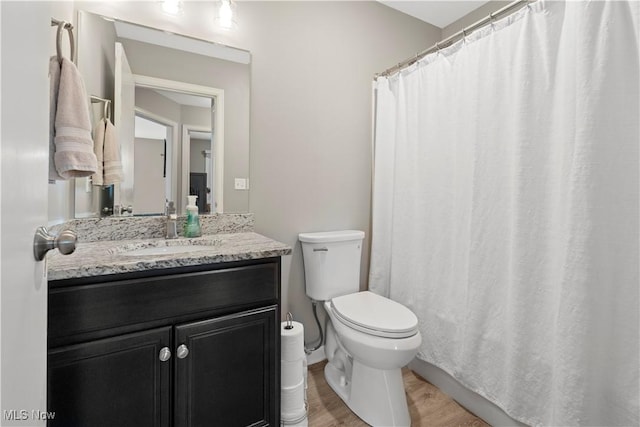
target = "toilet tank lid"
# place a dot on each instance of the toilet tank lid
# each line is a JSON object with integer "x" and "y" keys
{"x": 331, "y": 236}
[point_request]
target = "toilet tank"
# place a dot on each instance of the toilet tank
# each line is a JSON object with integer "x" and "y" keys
{"x": 331, "y": 263}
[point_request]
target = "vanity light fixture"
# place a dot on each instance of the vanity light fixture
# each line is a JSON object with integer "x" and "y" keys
{"x": 226, "y": 15}
{"x": 172, "y": 7}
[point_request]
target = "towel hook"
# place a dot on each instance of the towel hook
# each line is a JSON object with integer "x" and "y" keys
{"x": 107, "y": 110}
{"x": 63, "y": 25}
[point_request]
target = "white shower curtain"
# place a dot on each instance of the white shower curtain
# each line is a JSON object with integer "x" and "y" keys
{"x": 505, "y": 210}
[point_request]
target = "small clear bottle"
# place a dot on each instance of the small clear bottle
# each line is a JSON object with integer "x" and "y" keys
{"x": 172, "y": 219}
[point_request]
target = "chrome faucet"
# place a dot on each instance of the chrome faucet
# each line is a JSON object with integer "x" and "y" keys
{"x": 172, "y": 219}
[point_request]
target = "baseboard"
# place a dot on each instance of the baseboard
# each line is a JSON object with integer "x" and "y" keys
{"x": 316, "y": 356}
{"x": 472, "y": 401}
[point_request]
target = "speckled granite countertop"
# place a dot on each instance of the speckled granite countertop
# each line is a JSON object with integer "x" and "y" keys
{"x": 118, "y": 256}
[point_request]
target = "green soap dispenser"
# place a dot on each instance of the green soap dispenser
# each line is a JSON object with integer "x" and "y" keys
{"x": 192, "y": 226}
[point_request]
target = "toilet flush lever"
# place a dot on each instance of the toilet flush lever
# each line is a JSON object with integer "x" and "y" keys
{"x": 320, "y": 249}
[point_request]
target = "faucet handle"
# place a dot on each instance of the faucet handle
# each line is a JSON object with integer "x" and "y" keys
{"x": 171, "y": 208}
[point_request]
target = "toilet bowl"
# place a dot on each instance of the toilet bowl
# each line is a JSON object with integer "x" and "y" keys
{"x": 370, "y": 379}
{"x": 375, "y": 348}
{"x": 369, "y": 337}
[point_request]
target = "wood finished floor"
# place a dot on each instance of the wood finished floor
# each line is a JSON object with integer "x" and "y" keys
{"x": 429, "y": 407}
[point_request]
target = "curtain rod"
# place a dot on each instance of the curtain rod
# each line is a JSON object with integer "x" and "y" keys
{"x": 510, "y": 8}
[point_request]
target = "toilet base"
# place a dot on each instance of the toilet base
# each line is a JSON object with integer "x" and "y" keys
{"x": 376, "y": 396}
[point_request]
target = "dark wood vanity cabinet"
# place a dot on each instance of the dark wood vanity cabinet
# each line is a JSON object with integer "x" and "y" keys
{"x": 196, "y": 346}
{"x": 113, "y": 381}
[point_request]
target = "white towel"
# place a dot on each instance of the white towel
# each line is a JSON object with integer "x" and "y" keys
{"x": 98, "y": 148}
{"x": 74, "y": 156}
{"x": 111, "y": 156}
{"x": 54, "y": 83}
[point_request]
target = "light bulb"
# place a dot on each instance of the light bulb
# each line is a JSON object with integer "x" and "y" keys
{"x": 172, "y": 7}
{"x": 226, "y": 14}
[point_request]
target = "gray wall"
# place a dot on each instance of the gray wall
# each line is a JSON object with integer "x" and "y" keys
{"x": 311, "y": 100}
{"x": 151, "y": 101}
{"x": 311, "y": 73}
{"x": 197, "y": 160}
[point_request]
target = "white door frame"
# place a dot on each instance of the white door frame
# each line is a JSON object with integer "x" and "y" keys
{"x": 218, "y": 131}
{"x": 186, "y": 165}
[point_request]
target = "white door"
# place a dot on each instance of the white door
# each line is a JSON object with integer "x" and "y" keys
{"x": 149, "y": 194}
{"x": 123, "y": 104}
{"x": 24, "y": 150}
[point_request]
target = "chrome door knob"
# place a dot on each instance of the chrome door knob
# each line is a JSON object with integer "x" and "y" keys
{"x": 165, "y": 354}
{"x": 182, "y": 351}
{"x": 44, "y": 242}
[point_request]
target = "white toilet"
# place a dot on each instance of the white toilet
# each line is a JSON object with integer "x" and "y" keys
{"x": 369, "y": 339}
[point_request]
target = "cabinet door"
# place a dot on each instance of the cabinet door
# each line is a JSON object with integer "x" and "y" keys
{"x": 117, "y": 381}
{"x": 230, "y": 376}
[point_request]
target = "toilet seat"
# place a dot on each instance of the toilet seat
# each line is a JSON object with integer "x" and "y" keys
{"x": 375, "y": 315}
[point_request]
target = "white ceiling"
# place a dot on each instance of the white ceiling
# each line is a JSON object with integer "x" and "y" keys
{"x": 439, "y": 13}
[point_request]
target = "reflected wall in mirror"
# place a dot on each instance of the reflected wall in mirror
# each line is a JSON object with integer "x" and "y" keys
{"x": 181, "y": 113}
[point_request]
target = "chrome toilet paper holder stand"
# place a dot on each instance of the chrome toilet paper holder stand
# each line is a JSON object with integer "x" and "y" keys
{"x": 289, "y": 319}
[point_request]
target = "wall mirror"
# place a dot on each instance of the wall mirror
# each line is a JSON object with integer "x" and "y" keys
{"x": 181, "y": 114}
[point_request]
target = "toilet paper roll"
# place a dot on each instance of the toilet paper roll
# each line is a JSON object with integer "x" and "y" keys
{"x": 298, "y": 418}
{"x": 291, "y": 372}
{"x": 292, "y": 341}
{"x": 292, "y": 399}
{"x": 305, "y": 372}
{"x": 302, "y": 422}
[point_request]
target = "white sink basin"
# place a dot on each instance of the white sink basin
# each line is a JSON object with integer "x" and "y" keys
{"x": 166, "y": 250}
{"x": 165, "y": 247}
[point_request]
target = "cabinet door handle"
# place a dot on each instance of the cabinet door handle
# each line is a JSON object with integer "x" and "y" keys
{"x": 165, "y": 354}
{"x": 182, "y": 352}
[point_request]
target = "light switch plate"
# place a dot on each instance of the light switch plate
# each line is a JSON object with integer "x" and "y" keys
{"x": 240, "y": 184}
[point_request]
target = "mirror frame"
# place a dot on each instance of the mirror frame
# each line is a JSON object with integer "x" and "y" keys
{"x": 218, "y": 135}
